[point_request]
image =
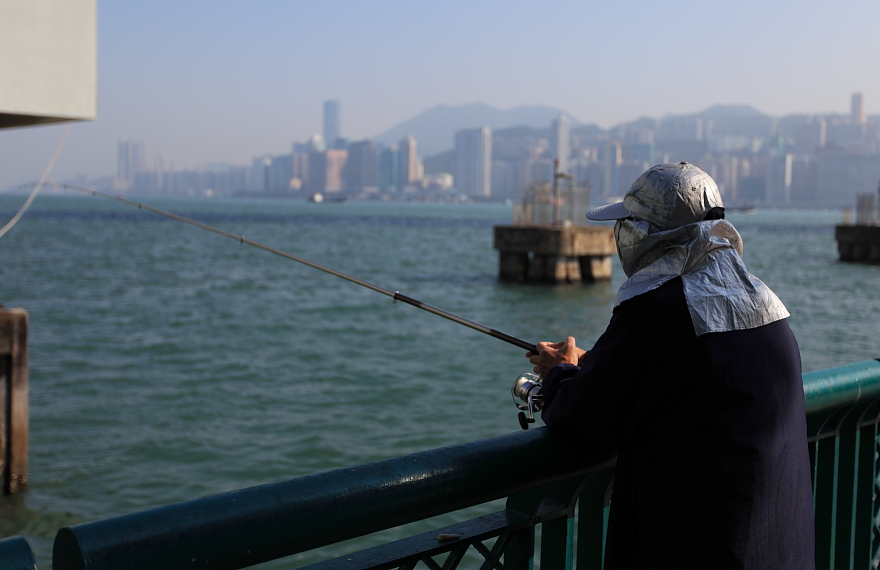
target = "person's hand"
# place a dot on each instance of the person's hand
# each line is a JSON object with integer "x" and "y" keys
{"x": 552, "y": 353}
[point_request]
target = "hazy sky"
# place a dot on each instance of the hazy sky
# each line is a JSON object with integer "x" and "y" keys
{"x": 208, "y": 81}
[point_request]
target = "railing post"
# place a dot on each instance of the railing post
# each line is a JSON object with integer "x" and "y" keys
{"x": 557, "y": 544}
{"x": 14, "y": 371}
{"x": 591, "y": 520}
{"x": 520, "y": 552}
{"x": 847, "y": 465}
{"x": 557, "y": 535}
{"x": 827, "y": 454}
{"x": 863, "y": 494}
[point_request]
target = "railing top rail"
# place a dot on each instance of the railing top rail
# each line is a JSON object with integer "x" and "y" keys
{"x": 253, "y": 525}
{"x": 841, "y": 386}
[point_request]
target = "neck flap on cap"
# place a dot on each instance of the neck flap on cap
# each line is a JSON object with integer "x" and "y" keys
{"x": 669, "y": 238}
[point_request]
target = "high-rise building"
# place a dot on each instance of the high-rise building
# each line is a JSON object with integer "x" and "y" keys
{"x": 842, "y": 176}
{"x": 389, "y": 169}
{"x": 163, "y": 166}
{"x": 778, "y": 185}
{"x": 612, "y": 162}
{"x": 473, "y": 161}
{"x": 299, "y": 168}
{"x": 858, "y": 109}
{"x": 317, "y": 172}
{"x": 129, "y": 159}
{"x": 331, "y": 122}
{"x": 280, "y": 173}
{"x": 259, "y": 176}
{"x": 504, "y": 180}
{"x": 408, "y": 160}
{"x": 336, "y": 160}
{"x": 362, "y": 167}
{"x": 299, "y": 160}
{"x": 804, "y": 134}
{"x": 560, "y": 144}
{"x": 315, "y": 143}
{"x": 325, "y": 170}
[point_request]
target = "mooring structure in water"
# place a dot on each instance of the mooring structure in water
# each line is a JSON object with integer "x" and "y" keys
{"x": 550, "y": 240}
{"x": 860, "y": 242}
{"x": 13, "y": 399}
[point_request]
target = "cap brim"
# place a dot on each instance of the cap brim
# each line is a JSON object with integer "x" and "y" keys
{"x": 609, "y": 212}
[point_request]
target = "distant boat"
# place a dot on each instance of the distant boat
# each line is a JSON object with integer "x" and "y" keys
{"x": 319, "y": 198}
{"x": 745, "y": 208}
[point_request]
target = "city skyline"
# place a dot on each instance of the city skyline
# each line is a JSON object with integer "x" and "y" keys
{"x": 146, "y": 159}
{"x": 796, "y": 160}
{"x": 202, "y": 82}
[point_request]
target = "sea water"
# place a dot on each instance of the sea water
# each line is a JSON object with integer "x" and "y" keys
{"x": 169, "y": 363}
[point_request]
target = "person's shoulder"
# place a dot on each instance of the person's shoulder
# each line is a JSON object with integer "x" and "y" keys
{"x": 665, "y": 306}
{"x": 670, "y": 292}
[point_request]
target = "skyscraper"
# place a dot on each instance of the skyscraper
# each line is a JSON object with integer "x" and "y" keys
{"x": 613, "y": 160}
{"x": 858, "y": 108}
{"x": 325, "y": 170}
{"x": 409, "y": 162}
{"x": 362, "y": 167}
{"x": 129, "y": 159}
{"x": 389, "y": 169}
{"x": 259, "y": 180}
{"x": 560, "y": 147}
{"x": 473, "y": 161}
{"x": 335, "y": 160}
{"x": 331, "y": 122}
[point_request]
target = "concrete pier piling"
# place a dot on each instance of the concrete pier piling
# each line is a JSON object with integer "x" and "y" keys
{"x": 860, "y": 244}
{"x": 550, "y": 240}
{"x": 554, "y": 253}
{"x": 14, "y": 399}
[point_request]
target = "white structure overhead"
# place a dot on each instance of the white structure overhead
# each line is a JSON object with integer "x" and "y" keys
{"x": 48, "y": 61}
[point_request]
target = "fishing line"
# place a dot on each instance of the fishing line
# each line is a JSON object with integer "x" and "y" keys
{"x": 395, "y": 295}
{"x": 516, "y": 365}
{"x": 39, "y": 184}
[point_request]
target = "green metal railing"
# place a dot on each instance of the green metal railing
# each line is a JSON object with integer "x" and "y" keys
{"x": 843, "y": 411}
{"x": 553, "y": 487}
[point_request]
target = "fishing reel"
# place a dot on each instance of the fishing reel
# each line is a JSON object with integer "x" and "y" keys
{"x": 527, "y": 389}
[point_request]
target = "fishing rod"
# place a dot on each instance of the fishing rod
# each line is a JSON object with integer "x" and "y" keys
{"x": 395, "y": 295}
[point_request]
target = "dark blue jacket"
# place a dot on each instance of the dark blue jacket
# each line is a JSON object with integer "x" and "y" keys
{"x": 710, "y": 436}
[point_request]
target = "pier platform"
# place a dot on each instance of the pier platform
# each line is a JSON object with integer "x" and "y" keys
{"x": 559, "y": 253}
{"x": 858, "y": 243}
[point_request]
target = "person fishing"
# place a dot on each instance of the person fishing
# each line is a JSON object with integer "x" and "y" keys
{"x": 695, "y": 385}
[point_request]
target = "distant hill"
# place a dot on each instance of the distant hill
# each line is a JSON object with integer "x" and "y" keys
{"x": 434, "y": 129}
{"x": 730, "y": 112}
{"x": 591, "y": 129}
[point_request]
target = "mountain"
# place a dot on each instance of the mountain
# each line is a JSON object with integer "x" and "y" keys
{"x": 731, "y": 112}
{"x": 434, "y": 129}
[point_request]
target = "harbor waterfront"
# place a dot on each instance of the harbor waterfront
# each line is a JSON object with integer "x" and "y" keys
{"x": 168, "y": 363}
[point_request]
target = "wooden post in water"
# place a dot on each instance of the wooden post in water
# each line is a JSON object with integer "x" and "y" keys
{"x": 14, "y": 399}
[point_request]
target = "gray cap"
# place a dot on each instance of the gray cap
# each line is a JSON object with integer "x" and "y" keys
{"x": 667, "y": 195}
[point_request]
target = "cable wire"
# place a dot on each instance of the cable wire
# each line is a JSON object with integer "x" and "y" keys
{"x": 39, "y": 185}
